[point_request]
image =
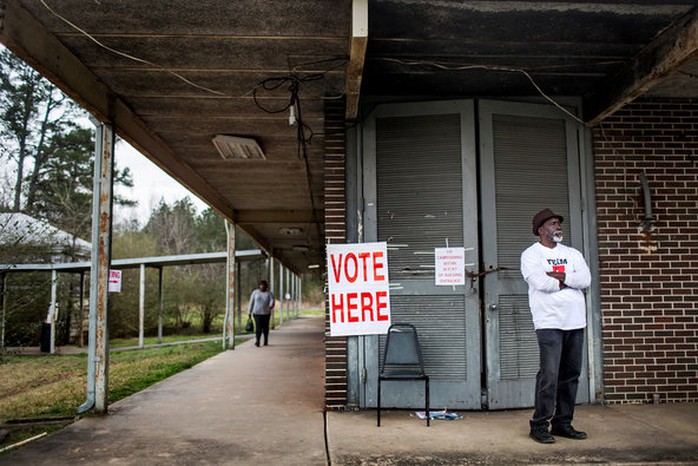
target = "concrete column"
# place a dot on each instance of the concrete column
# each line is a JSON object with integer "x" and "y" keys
{"x": 53, "y": 309}
{"x": 141, "y": 307}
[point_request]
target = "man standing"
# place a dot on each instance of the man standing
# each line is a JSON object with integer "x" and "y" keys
{"x": 261, "y": 304}
{"x": 556, "y": 275}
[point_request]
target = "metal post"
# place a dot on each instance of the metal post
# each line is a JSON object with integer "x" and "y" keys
{"x": 53, "y": 309}
{"x": 238, "y": 304}
{"x": 4, "y": 309}
{"x": 229, "y": 321}
{"x": 281, "y": 294}
{"x": 295, "y": 295}
{"x": 271, "y": 287}
{"x": 300, "y": 294}
{"x": 98, "y": 342}
{"x": 81, "y": 311}
{"x": 161, "y": 303}
{"x": 141, "y": 308}
{"x": 288, "y": 293}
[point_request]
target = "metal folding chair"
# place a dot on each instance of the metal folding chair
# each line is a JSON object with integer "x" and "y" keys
{"x": 402, "y": 361}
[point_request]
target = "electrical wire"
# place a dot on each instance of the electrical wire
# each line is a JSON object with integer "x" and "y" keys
{"x": 126, "y": 55}
{"x": 452, "y": 67}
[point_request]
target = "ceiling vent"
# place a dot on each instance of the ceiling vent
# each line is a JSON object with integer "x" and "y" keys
{"x": 236, "y": 148}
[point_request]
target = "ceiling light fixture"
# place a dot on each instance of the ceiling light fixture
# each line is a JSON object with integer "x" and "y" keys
{"x": 291, "y": 231}
{"x": 237, "y": 148}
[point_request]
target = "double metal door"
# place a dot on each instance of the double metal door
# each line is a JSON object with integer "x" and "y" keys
{"x": 422, "y": 189}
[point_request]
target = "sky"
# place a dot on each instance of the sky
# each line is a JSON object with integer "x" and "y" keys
{"x": 150, "y": 185}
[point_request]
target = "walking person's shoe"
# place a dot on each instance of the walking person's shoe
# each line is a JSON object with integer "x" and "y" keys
{"x": 541, "y": 435}
{"x": 568, "y": 432}
{"x": 256, "y": 343}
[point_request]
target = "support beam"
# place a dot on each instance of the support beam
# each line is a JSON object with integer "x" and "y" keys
{"x": 357, "y": 57}
{"x": 141, "y": 308}
{"x": 238, "y": 302}
{"x": 271, "y": 287}
{"x": 245, "y": 217}
{"x": 4, "y": 309}
{"x": 282, "y": 301}
{"x": 81, "y": 311}
{"x": 229, "y": 324}
{"x": 666, "y": 54}
{"x": 53, "y": 309}
{"x": 98, "y": 341}
{"x": 161, "y": 303}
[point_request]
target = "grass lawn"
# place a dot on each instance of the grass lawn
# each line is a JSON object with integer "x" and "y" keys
{"x": 53, "y": 386}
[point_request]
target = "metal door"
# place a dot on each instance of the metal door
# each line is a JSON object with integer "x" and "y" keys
{"x": 420, "y": 188}
{"x": 529, "y": 160}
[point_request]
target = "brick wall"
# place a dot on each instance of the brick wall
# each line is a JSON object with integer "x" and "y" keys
{"x": 335, "y": 232}
{"x": 649, "y": 278}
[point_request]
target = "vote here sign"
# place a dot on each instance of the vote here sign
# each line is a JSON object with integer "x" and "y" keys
{"x": 358, "y": 289}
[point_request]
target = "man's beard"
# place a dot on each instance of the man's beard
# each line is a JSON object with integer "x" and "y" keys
{"x": 556, "y": 237}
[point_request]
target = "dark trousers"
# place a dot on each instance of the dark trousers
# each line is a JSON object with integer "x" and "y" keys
{"x": 261, "y": 326}
{"x": 558, "y": 377}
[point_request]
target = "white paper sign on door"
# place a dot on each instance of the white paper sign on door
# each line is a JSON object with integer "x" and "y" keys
{"x": 450, "y": 266}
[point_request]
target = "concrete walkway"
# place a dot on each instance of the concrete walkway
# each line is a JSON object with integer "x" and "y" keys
{"x": 263, "y": 406}
{"x": 248, "y": 406}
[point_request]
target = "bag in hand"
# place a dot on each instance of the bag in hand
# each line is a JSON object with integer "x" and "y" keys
{"x": 249, "y": 326}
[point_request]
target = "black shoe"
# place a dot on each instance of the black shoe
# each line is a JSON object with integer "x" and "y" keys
{"x": 266, "y": 344}
{"x": 256, "y": 343}
{"x": 541, "y": 435}
{"x": 569, "y": 432}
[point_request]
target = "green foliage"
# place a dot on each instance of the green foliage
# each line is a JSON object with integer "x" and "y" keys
{"x": 62, "y": 188}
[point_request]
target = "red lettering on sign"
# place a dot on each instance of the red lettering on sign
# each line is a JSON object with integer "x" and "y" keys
{"x": 351, "y": 256}
{"x": 336, "y": 267}
{"x": 378, "y": 264}
{"x": 381, "y": 305}
{"x": 337, "y": 308}
{"x": 367, "y": 307}
{"x": 352, "y": 307}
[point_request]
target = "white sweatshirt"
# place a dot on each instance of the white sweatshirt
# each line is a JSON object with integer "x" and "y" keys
{"x": 552, "y": 307}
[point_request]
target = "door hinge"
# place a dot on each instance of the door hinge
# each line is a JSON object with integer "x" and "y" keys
{"x": 483, "y": 399}
{"x": 364, "y": 375}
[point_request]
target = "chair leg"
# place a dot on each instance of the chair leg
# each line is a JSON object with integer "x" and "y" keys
{"x": 426, "y": 390}
{"x": 378, "y": 410}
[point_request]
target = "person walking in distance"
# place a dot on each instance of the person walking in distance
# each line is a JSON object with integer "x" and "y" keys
{"x": 261, "y": 304}
{"x": 556, "y": 275}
